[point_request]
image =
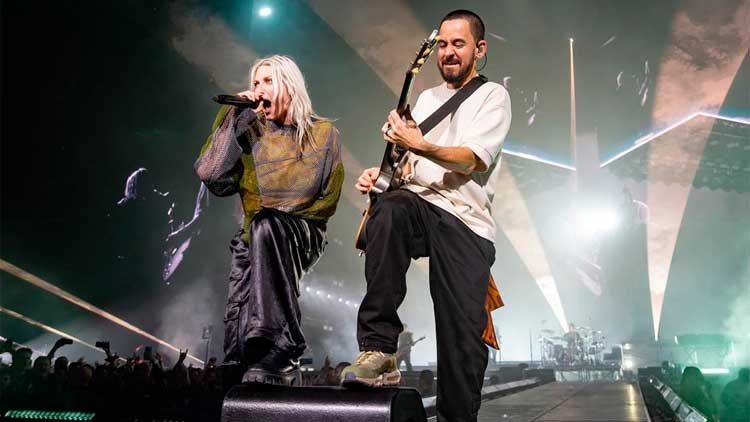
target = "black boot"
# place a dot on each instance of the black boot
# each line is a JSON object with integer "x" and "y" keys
{"x": 276, "y": 367}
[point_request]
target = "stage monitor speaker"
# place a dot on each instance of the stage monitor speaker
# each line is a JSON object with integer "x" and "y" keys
{"x": 654, "y": 371}
{"x": 544, "y": 375}
{"x": 510, "y": 373}
{"x": 272, "y": 403}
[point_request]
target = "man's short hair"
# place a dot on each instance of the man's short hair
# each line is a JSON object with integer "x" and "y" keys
{"x": 475, "y": 22}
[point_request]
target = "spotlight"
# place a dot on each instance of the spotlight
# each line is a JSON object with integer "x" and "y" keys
{"x": 627, "y": 346}
{"x": 627, "y": 364}
{"x": 593, "y": 221}
{"x": 714, "y": 371}
{"x": 265, "y": 12}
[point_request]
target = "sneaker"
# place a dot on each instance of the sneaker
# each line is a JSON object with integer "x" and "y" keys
{"x": 274, "y": 368}
{"x": 372, "y": 369}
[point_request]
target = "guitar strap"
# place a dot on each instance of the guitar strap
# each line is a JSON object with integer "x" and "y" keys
{"x": 452, "y": 104}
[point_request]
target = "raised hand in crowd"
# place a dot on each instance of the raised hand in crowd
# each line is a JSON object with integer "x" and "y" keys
{"x": 111, "y": 358}
{"x": 158, "y": 361}
{"x": 58, "y": 344}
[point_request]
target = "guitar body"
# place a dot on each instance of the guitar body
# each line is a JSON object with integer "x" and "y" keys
{"x": 394, "y": 157}
{"x": 360, "y": 240}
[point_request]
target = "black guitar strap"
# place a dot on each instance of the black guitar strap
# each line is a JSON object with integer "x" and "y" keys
{"x": 452, "y": 104}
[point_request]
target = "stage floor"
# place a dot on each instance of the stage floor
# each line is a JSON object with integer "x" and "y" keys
{"x": 613, "y": 401}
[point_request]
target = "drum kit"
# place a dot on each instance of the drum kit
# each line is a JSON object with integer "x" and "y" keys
{"x": 579, "y": 346}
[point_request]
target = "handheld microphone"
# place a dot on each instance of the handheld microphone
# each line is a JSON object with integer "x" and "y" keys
{"x": 239, "y": 101}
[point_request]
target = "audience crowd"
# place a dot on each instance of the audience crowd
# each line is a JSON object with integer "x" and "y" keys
{"x": 145, "y": 382}
{"x": 148, "y": 382}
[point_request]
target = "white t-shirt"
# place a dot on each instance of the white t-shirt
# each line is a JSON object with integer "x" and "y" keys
{"x": 481, "y": 124}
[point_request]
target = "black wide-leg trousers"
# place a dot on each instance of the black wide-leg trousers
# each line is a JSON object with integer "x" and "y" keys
{"x": 264, "y": 284}
{"x": 403, "y": 227}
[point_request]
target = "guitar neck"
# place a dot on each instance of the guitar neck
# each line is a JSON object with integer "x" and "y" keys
{"x": 394, "y": 157}
{"x": 386, "y": 166}
{"x": 403, "y": 99}
{"x": 395, "y": 154}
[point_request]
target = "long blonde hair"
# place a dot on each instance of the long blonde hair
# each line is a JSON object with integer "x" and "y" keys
{"x": 287, "y": 77}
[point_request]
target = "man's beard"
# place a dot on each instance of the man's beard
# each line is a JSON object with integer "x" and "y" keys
{"x": 461, "y": 75}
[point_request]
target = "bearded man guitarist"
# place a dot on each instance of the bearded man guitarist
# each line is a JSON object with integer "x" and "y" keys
{"x": 442, "y": 211}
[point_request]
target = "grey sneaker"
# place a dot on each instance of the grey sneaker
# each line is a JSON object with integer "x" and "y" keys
{"x": 372, "y": 369}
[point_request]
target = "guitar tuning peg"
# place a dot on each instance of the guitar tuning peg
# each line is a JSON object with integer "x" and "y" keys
{"x": 415, "y": 71}
{"x": 420, "y": 61}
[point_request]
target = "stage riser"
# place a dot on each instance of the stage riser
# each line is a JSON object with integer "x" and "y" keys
{"x": 270, "y": 403}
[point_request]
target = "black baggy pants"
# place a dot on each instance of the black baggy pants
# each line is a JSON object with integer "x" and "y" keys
{"x": 264, "y": 284}
{"x": 402, "y": 227}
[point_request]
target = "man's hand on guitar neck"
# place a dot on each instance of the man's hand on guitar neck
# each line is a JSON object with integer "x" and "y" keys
{"x": 404, "y": 132}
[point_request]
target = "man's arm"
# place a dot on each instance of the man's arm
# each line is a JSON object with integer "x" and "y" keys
{"x": 461, "y": 160}
{"x": 475, "y": 154}
{"x": 458, "y": 159}
{"x": 181, "y": 359}
{"x": 58, "y": 344}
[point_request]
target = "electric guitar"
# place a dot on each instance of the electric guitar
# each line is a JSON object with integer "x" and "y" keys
{"x": 403, "y": 351}
{"x": 395, "y": 156}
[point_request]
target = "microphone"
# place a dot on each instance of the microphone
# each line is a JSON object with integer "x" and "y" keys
{"x": 238, "y": 101}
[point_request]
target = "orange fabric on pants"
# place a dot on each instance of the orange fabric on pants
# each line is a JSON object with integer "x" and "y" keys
{"x": 492, "y": 301}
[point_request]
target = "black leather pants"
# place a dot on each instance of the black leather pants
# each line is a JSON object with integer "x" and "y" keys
{"x": 264, "y": 284}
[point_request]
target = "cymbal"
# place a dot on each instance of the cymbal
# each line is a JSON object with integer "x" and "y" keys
{"x": 547, "y": 331}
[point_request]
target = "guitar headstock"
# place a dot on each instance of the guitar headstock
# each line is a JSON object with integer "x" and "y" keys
{"x": 427, "y": 47}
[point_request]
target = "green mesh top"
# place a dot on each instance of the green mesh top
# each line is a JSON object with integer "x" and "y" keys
{"x": 262, "y": 162}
